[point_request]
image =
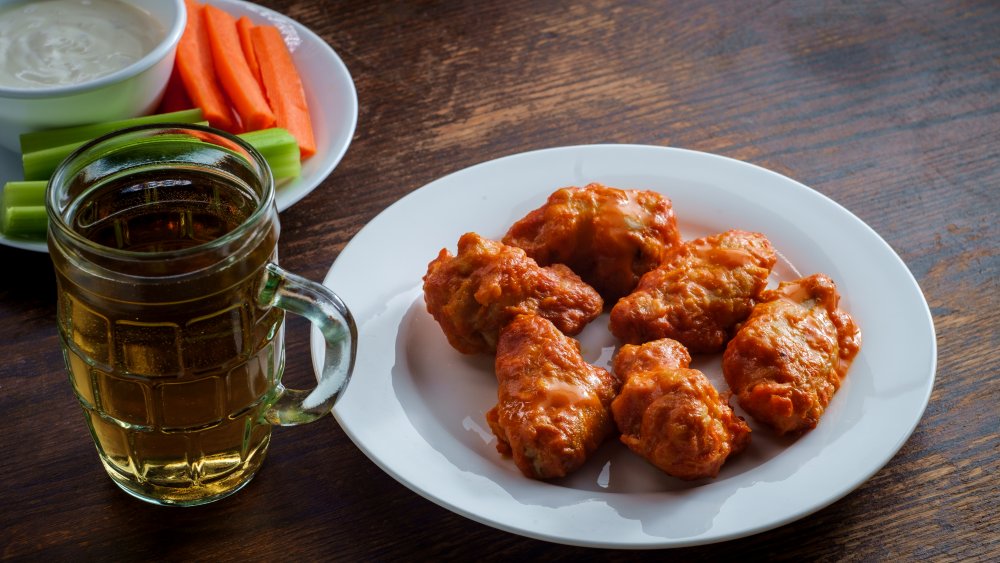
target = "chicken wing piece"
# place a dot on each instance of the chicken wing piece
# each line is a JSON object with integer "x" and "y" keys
{"x": 663, "y": 353}
{"x": 788, "y": 359}
{"x": 610, "y": 237}
{"x": 473, "y": 294}
{"x": 553, "y": 408}
{"x": 671, "y": 415}
{"x": 699, "y": 294}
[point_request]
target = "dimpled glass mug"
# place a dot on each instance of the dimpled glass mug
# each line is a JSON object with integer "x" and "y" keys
{"x": 171, "y": 307}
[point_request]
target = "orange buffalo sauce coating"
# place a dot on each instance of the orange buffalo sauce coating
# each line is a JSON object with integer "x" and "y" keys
{"x": 790, "y": 356}
{"x": 699, "y": 293}
{"x": 671, "y": 415}
{"x": 609, "y": 237}
{"x": 474, "y": 293}
{"x": 553, "y": 408}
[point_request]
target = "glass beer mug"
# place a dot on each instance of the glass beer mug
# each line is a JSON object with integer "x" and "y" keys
{"x": 171, "y": 308}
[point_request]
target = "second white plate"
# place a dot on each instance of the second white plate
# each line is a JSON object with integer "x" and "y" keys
{"x": 417, "y": 407}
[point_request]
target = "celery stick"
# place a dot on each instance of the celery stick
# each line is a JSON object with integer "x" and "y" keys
{"x": 40, "y": 140}
{"x": 40, "y": 164}
{"x": 23, "y": 221}
{"x": 279, "y": 148}
{"x": 22, "y": 204}
{"x": 276, "y": 145}
{"x": 17, "y": 194}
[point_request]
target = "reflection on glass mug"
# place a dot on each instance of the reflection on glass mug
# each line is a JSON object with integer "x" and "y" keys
{"x": 171, "y": 308}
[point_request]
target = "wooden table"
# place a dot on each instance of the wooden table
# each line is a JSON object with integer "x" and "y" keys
{"x": 891, "y": 109}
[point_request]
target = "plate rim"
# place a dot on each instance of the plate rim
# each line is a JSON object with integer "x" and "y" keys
{"x": 927, "y": 381}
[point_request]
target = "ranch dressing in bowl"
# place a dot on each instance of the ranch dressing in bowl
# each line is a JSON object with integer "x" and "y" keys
{"x": 62, "y": 42}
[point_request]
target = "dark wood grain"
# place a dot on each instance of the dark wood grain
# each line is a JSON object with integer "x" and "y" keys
{"x": 890, "y": 108}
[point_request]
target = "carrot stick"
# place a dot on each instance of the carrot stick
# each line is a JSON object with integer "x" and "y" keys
{"x": 194, "y": 63}
{"x": 283, "y": 86}
{"x": 234, "y": 74}
{"x": 243, "y": 27}
{"x": 175, "y": 97}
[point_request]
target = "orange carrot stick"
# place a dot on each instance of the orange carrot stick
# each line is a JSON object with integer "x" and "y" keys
{"x": 283, "y": 86}
{"x": 234, "y": 74}
{"x": 243, "y": 27}
{"x": 175, "y": 97}
{"x": 194, "y": 64}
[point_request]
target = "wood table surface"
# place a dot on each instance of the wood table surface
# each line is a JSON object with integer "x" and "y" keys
{"x": 892, "y": 109}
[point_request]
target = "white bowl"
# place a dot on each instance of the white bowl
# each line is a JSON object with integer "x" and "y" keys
{"x": 129, "y": 92}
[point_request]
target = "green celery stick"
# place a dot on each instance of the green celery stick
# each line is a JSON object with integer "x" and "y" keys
{"x": 275, "y": 145}
{"x": 22, "y": 209}
{"x": 279, "y": 149}
{"x": 17, "y": 194}
{"x": 22, "y": 203}
{"x": 49, "y": 138}
{"x": 23, "y": 221}
{"x": 40, "y": 164}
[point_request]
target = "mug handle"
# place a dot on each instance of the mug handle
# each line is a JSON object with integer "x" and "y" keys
{"x": 327, "y": 311}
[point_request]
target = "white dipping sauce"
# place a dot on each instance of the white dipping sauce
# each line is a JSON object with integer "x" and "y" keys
{"x": 61, "y": 42}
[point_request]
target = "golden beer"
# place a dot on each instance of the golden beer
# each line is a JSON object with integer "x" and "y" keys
{"x": 170, "y": 316}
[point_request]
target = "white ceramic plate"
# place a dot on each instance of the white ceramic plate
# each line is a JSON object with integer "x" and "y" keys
{"x": 416, "y": 407}
{"x": 330, "y": 92}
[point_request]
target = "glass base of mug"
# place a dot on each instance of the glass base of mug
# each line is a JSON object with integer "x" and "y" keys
{"x": 175, "y": 502}
{"x": 191, "y": 495}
